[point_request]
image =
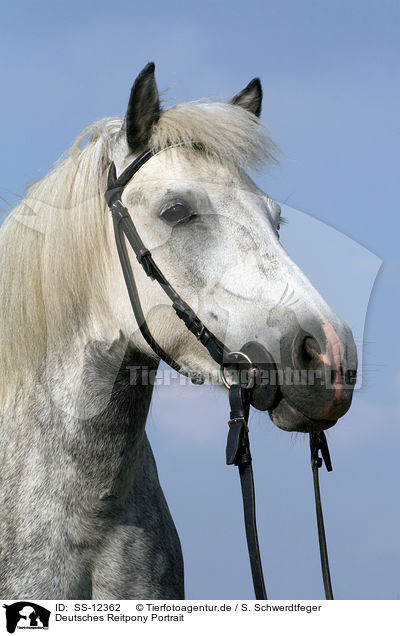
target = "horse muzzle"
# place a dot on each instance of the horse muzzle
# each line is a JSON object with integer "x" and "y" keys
{"x": 312, "y": 384}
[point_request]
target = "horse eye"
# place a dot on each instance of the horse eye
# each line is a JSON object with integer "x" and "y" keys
{"x": 177, "y": 213}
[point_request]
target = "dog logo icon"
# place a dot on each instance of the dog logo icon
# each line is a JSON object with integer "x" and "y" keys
{"x": 26, "y": 615}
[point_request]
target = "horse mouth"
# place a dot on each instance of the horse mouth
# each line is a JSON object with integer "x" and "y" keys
{"x": 296, "y": 401}
{"x": 289, "y": 418}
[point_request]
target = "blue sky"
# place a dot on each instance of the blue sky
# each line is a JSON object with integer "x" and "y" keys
{"x": 331, "y": 101}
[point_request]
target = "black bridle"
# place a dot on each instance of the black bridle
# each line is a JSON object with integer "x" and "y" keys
{"x": 124, "y": 226}
{"x": 241, "y": 394}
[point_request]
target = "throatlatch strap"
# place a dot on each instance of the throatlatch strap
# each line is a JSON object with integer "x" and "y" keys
{"x": 135, "y": 301}
{"x": 318, "y": 443}
{"x": 238, "y": 453}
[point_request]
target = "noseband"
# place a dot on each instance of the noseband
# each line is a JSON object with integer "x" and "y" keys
{"x": 242, "y": 394}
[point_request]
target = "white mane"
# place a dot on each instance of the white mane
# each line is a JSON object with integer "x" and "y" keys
{"x": 54, "y": 253}
{"x": 227, "y": 133}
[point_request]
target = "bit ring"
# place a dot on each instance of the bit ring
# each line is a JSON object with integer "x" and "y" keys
{"x": 251, "y": 370}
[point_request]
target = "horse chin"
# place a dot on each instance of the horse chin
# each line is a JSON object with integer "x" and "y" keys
{"x": 288, "y": 418}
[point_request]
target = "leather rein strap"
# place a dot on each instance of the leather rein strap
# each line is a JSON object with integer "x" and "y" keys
{"x": 238, "y": 445}
{"x": 318, "y": 443}
{"x": 238, "y": 453}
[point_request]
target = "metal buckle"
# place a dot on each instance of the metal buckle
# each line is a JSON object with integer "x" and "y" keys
{"x": 241, "y": 420}
{"x": 252, "y": 370}
{"x": 199, "y": 335}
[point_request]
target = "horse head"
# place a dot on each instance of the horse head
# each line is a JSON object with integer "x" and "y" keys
{"x": 215, "y": 236}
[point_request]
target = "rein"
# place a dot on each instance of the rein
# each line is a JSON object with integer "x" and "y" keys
{"x": 241, "y": 394}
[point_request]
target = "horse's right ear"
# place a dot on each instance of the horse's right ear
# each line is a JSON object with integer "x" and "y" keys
{"x": 143, "y": 109}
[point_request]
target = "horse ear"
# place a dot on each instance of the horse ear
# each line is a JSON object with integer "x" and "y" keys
{"x": 250, "y": 97}
{"x": 143, "y": 109}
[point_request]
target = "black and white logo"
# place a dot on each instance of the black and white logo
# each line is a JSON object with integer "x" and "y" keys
{"x": 26, "y": 615}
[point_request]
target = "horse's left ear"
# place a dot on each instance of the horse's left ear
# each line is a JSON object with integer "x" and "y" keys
{"x": 250, "y": 97}
{"x": 143, "y": 109}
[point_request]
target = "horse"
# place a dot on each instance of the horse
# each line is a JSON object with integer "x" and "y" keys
{"x": 83, "y": 515}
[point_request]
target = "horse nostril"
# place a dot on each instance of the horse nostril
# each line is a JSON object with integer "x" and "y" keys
{"x": 311, "y": 353}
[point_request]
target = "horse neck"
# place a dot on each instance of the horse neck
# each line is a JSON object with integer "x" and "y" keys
{"x": 118, "y": 429}
{"x": 96, "y": 417}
